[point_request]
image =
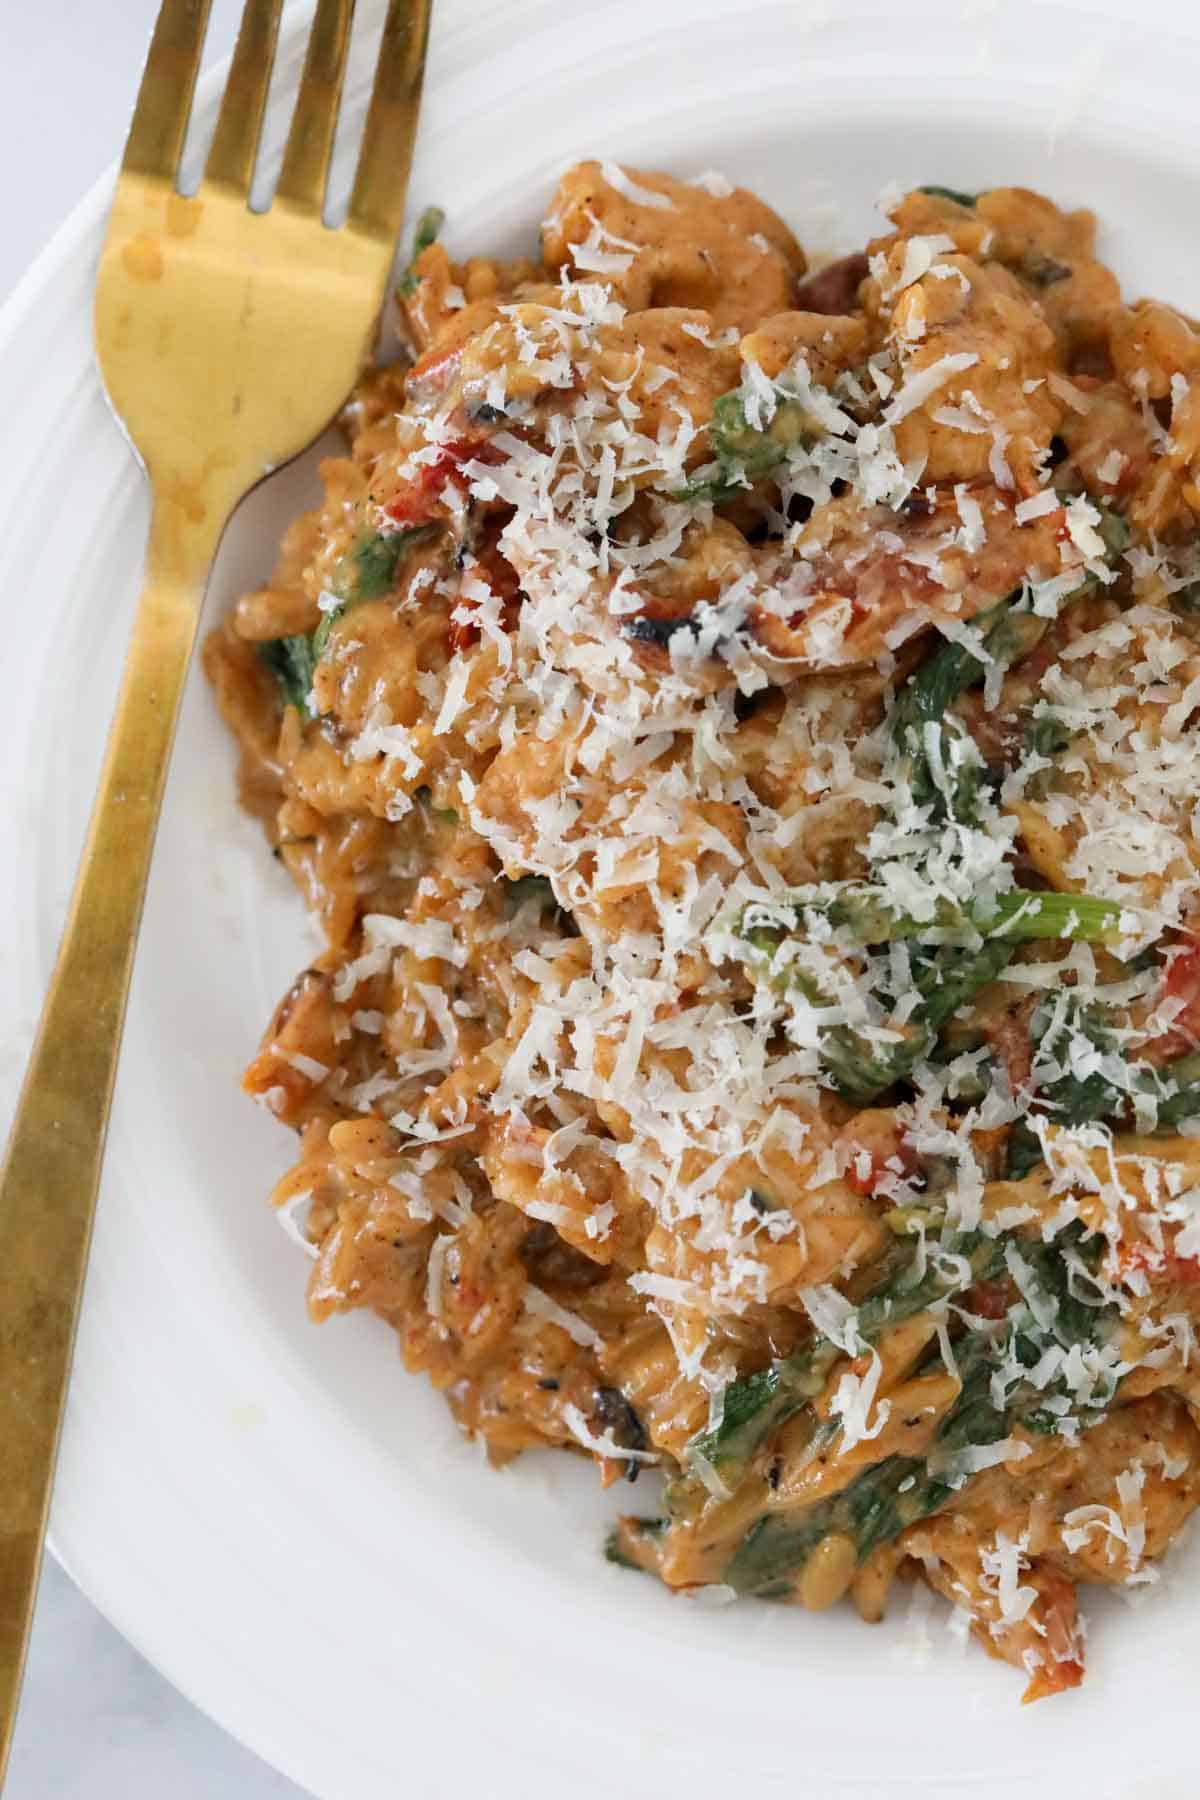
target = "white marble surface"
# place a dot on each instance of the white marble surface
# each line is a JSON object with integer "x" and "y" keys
{"x": 97, "y": 1723}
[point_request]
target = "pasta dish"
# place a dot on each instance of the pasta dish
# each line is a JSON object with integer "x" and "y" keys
{"x": 738, "y": 727}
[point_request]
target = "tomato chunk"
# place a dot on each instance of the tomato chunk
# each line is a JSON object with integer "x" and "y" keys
{"x": 501, "y": 580}
{"x": 1159, "y": 1265}
{"x": 420, "y": 501}
{"x": 1181, "y": 983}
{"x": 987, "y": 1299}
{"x": 1060, "y": 1663}
{"x": 876, "y": 1150}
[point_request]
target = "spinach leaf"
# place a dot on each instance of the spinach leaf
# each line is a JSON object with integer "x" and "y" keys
{"x": 1095, "y": 1098}
{"x": 628, "y": 1536}
{"x": 946, "y": 976}
{"x": 376, "y": 558}
{"x": 1047, "y": 735}
{"x": 291, "y": 661}
{"x": 745, "y": 453}
{"x": 1185, "y": 601}
{"x": 948, "y": 193}
{"x": 884, "y": 1500}
{"x": 759, "y": 1404}
{"x": 428, "y": 226}
{"x": 880, "y": 1503}
{"x": 527, "y": 890}
{"x": 367, "y": 572}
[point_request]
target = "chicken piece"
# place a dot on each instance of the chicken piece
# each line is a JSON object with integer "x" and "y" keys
{"x": 823, "y": 1231}
{"x": 828, "y": 343}
{"x": 1156, "y": 354}
{"x": 586, "y": 1194}
{"x": 865, "y": 580}
{"x": 1108, "y": 440}
{"x": 665, "y": 363}
{"x": 990, "y": 411}
{"x": 1051, "y": 252}
{"x": 730, "y": 255}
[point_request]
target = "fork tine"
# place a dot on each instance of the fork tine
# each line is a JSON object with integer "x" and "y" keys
{"x": 164, "y": 102}
{"x": 235, "y": 141}
{"x": 310, "y": 140}
{"x": 381, "y": 180}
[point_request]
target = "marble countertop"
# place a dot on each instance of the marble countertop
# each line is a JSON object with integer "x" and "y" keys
{"x": 97, "y": 1722}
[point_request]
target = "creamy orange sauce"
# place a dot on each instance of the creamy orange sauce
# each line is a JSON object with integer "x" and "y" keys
{"x": 595, "y": 642}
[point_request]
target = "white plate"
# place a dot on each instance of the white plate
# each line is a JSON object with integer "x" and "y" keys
{"x": 279, "y": 1517}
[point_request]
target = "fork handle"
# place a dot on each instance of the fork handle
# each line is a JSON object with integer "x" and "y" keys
{"x": 52, "y": 1166}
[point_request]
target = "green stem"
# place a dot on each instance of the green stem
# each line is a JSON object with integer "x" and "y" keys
{"x": 1019, "y": 917}
{"x": 862, "y": 1068}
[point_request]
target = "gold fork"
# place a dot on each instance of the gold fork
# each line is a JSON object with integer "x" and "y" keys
{"x": 227, "y": 341}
